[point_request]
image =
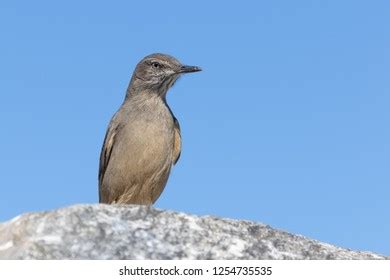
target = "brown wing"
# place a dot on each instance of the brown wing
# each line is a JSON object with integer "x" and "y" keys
{"x": 105, "y": 155}
{"x": 177, "y": 142}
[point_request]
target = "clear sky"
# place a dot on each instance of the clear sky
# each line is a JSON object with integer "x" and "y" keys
{"x": 288, "y": 124}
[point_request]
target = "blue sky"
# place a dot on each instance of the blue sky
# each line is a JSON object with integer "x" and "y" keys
{"x": 288, "y": 124}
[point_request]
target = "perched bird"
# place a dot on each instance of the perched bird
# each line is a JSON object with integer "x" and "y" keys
{"x": 143, "y": 140}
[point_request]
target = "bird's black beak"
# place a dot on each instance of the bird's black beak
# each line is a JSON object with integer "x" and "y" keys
{"x": 189, "y": 69}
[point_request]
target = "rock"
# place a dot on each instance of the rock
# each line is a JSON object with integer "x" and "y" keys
{"x": 140, "y": 232}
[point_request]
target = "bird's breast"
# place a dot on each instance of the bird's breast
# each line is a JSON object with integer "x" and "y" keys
{"x": 149, "y": 137}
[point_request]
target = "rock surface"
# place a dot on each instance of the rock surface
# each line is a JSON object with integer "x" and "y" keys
{"x": 139, "y": 232}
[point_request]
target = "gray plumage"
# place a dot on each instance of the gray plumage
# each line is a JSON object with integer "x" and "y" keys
{"x": 143, "y": 138}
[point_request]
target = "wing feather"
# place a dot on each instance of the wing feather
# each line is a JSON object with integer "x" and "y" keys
{"x": 177, "y": 141}
{"x": 105, "y": 155}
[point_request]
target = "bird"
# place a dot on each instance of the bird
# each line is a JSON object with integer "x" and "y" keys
{"x": 143, "y": 139}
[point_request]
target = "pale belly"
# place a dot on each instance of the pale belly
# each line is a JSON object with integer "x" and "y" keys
{"x": 142, "y": 156}
{"x": 143, "y": 159}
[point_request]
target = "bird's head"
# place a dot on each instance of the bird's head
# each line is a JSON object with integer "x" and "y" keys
{"x": 158, "y": 72}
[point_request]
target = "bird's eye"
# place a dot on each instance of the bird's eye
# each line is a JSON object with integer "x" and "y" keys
{"x": 156, "y": 65}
